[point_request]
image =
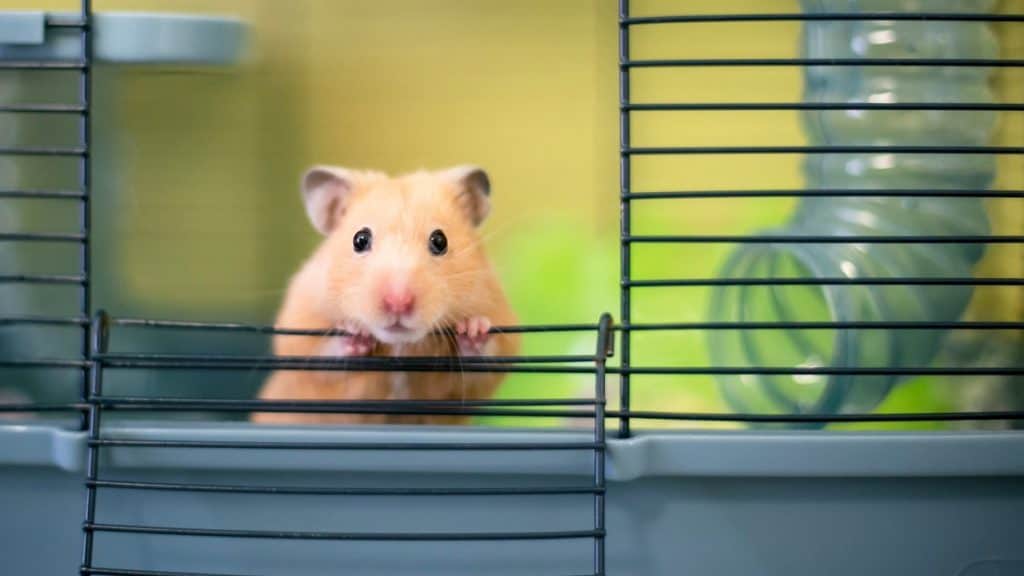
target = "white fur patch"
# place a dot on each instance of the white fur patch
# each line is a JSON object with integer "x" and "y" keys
{"x": 333, "y": 346}
{"x": 400, "y": 386}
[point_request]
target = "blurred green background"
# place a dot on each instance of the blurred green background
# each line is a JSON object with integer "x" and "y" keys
{"x": 208, "y": 224}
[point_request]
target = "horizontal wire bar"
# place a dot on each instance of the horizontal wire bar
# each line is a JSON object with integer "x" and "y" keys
{"x": 72, "y": 151}
{"x": 42, "y": 109}
{"x": 45, "y": 363}
{"x": 41, "y": 237}
{"x": 913, "y": 281}
{"x": 71, "y": 407}
{"x": 838, "y": 325}
{"x": 359, "y": 536}
{"x": 43, "y": 65}
{"x": 818, "y": 418}
{"x": 827, "y": 149}
{"x": 43, "y": 321}
{"x": 338, "y": 408}
{"x": 369, "y": 446}
{"x": 133, "y": 572}
{"x": 454, "y": 362}
{"x": 859, "y": 62}
{"x": 832, "y": 192}
{"x": 336, "y": 491}
{"x": 41, "y": 279}
{"x": 43, "y": 194}
{"x": 819, "y": 371}
{"x": 783, "y": 106}
{"x": 343, "y": 365}
{"x": 260, "y": 404}
{"x": 127, "y": 572}
{"x": 823, "y": 239}
{"x": 266, "y": 329}
{"x": 827, "y": 16}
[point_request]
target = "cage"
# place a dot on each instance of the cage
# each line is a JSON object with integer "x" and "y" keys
{"x": 863, "y": 332}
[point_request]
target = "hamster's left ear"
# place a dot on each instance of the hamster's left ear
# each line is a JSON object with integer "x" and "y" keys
{"x": 326, "y": 191}
{"x": 474, "y": 191}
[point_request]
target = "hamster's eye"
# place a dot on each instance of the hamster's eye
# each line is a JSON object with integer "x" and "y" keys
{"x": 438, "y": 243}
{"x": 362, "y": 241}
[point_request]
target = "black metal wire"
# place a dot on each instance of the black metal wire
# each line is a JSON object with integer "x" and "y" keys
{"x": 340, "y": 365}
{"x": 804, "y": 62}
{"x": 625, "y": 215}
{"x": 821, "y": 239}
{"x": 348, "y": 491}
{"x": 94, "y": 340}
{"x": 80, "y": 322}
{"x": 70, "y": 151}
{"x": 265, "y": 329}
{"x": 46, "y": 363}
{"x": 822, "y": 418}
{"x": 790, "y": 106}
{"x": 837, "y": 16}
{"x": 124, "y": 572}
{"x": 829, "y": 149}
{"x": 360, "y": 446}
{"x": 605, "y": 348}
{"x": 119, "y": 572}
{"x": 43, "y": 109}
{"x": 835, "y": 325}
{"x": 837, "y": 193}
{"x": 892, "y": 281}
{"x": 822, "y": 371}
{"x": 43, "y": 194}
{"x": 42, "y": 279}
{"x": 383, "y": 408}
{"x": 43, "y": 65}
{"x": 339, "y": 536}
{"x": 42, "y": 237}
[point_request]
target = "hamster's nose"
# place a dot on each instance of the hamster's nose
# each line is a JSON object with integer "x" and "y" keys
{"x": 398, "y": 302}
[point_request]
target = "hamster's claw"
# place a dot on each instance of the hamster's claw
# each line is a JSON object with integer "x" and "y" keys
{"x": 472, "y": 335}
{"x": 359, "y": 342}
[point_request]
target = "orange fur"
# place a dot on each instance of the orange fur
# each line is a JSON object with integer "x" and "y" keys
{"x": 338, "y": 287}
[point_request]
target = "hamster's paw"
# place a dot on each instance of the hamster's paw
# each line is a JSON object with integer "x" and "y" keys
{"x": 472, "y": 335}
{"x": 358, "y": 342}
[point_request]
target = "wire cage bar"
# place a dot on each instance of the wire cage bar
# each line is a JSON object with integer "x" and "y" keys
{"x": 633, "y": 108}
{"x": 105, "y": 330}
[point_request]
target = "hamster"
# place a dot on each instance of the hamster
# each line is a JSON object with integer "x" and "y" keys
{"x": 402, "y": 268}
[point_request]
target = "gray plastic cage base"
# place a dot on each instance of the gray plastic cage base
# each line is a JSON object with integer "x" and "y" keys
{"x": 747, "y": 503}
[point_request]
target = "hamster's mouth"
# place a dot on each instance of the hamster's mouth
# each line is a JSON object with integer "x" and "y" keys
{"x": 398, "y": 333}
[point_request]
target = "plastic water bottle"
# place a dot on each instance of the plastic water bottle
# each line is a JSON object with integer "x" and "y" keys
{"x": 865, "y": 215}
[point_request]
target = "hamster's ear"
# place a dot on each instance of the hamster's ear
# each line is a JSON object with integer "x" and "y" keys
{"x": 474, "y": 191}
{"x": 326, "y": 191}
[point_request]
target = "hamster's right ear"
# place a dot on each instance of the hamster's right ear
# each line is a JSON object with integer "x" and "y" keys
{"x": 326, "y": 191}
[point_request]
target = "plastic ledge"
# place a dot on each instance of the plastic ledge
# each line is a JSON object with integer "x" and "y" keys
{"x": 681, "y": 454}
{"x": 139, "y": 38}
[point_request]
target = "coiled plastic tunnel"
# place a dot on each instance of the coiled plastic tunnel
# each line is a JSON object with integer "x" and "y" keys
{"x": 883, "y": 215}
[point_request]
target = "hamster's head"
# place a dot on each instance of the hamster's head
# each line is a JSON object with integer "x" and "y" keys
{"x": 403, "y": 254}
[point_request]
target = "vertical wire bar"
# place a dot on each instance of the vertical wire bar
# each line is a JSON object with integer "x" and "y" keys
{"x": 604, "y": 346}
{"x": 94, "y": 334}
{"x": 98, "y": 340}
{"x": 85, "y": 180}
{"x": 625, "y": 221}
